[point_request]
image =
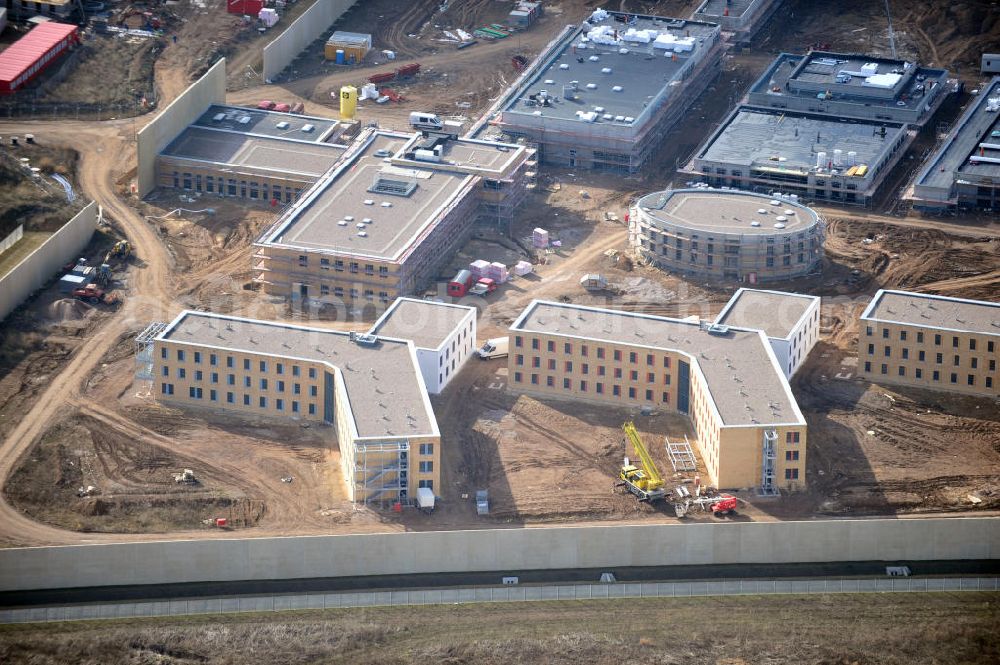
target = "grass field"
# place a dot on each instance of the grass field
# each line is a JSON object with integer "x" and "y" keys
{"x": 26, "y": 245}
{"x": 842, "y": 629}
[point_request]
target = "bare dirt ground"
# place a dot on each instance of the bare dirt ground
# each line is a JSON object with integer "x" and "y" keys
{"x": 83, "y": 397}
{"x": 863, "y": 629}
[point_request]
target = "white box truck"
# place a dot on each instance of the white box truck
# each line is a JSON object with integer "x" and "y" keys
{"x": 425, "y": 499}
{"x": 493, "y": 348}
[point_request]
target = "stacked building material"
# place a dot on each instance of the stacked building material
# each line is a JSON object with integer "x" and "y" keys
{"x": 479, "y": 268}
{"x": 540, "y": 238}
{"x": 497, "y": 272}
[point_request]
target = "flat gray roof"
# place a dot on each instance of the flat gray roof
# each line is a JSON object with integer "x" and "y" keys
{"x": 930, "y": 311}
{"x": 344, "y": 195}
{"x": 265, "y": 123}
{"x": 974, "y": 127}
{"x": 727, "y": 211}
{"x": 427, "y": 323}
{"x": 790, "y": 141}
{"x": 643, "y": 72}
{"x": 736, "y": 8}
{"x": 775, "y": 312}
{"x": 823, "y": 68}
{"x": 310, "y": 160}
{"x": 383, "y": 383}
{"x": 759, "y": 393}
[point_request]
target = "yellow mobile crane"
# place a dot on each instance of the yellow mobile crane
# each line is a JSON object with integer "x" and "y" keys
{"x": 646, "y": 483}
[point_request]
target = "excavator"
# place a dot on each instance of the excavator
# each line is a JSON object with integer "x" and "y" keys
{"x": 646, "y": 482}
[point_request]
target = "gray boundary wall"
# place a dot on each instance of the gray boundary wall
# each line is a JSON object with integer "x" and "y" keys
{"x": 609, "y": 547}
{"x": 301, "y": 33}
{"x": 154, "y": 137}
{"x": 42, "y": 264}
{"x": 12, "y": 238}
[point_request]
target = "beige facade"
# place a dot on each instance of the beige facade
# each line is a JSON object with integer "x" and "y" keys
{"x": 219, "y": 180}
{"x": 388, "y": 217}
{"x": 385, "y": 456}
{"x": 610, "y": 371}
{"x": 932, "y": 342}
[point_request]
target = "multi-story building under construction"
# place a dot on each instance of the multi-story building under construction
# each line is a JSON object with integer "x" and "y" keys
{"x": 604, "y": 94}
{"x": 726, "y": 379}
{"x": 929, "y": 341}
{"x": 383, "y": 222}
{"x": 370, "y": 388}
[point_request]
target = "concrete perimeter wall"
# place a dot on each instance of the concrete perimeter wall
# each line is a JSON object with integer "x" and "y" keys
{"x": 154, "y": 137}
{"x": 12, "y": 238}
{"x": 42, "y": 264}
{"x": 301, "y": 33}
{"x": 499, "y": 550}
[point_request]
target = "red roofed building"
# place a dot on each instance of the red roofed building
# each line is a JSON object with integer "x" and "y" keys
{"x": 30, "y": 55}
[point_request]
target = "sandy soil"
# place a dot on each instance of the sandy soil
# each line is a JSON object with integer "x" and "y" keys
{"x": 71, "y": 380}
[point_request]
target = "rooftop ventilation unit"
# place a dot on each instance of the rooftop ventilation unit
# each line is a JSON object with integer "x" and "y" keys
{"x": 364, "y": 339}
{"x": 369, "y": 202}
{"x": 754, "y": 224}
{"x": 342, "y": 222}
{"x": 779, "y": 225}
{"x": 564, "y": 66}
{"x": 244, "y": 120}
{"x": 384, "y": 185}
{"x": 362, "y": 234}
{"x": 308, "y": 128}
{"x": 617, "y": 88}
{"x": 218, "y": 117}
{"x": 762, "y": 211}
{"x": 605, "y": 70}
{"x": 282, "y": 125}
{"x": 714, "y": 328}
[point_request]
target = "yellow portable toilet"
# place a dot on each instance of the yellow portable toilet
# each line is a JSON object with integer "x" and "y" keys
{"x": 348, "y": 102}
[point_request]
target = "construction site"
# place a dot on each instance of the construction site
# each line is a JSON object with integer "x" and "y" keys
{"x": 493, "y": 291}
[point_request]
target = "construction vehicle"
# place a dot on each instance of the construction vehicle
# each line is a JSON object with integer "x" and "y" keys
{"x": 646, "y": 482}
{"x": 91, "y": 293}
{"x": 483, "y": 287}
{"x": 720, "y": 505}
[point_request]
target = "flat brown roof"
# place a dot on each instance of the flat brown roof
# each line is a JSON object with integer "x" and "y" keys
{"x": 426, "y": 322}
{"x": 775, "y": 312}
{"x": 745, "y": 383}
{"x": 930, "y": 311}
{"x": 383, "y": 383}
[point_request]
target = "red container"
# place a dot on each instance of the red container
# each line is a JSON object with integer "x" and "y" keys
{"x": 221, "y": 521}
{"x": 408, "y": 70}
{"x": 460, "y": 284}
{"x": 282, "y": 108}
{"x": 265, "y": 105}
{"x": 248, "y": 7}
{"x": 381, "y": 78}
{"x": 30, "y": 55}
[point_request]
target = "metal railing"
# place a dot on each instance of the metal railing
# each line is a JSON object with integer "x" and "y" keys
{"x": 497, "y": 594}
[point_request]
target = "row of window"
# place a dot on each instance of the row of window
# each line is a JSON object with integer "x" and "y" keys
{"x": 938, "y": 357}
{"x": 600, "y": 352}
{"x": 918, "y": 373}
{"x": 729, "y": 262}
{"x": 247, "y": 382}
{"x": 955, "y": 340}
{"x": 213, "y": 360}
{"x": 232, "y": 187}
{"x": 338, "y": 291}
{"x": 584, "y": 368}
{"x": 196, "y": 392}
{"x": 338, "y": 266}
{"x": 584, "y": 386}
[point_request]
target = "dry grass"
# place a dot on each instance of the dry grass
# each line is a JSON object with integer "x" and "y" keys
{"x": 863, "y": 629}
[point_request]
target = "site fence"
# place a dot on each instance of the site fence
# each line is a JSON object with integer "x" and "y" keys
{"x": 501, "y": 594}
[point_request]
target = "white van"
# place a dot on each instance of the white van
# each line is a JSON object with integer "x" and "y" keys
{"x": 493, "y": 348}
{"x": 421, "y": 120}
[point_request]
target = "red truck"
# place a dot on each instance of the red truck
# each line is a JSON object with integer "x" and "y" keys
{"x": 91, "y": 293}
{"x": 483, "y": 287}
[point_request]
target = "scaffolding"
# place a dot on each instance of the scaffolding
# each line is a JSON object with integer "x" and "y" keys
{"x": 144, "y": 355}
{"x": 767, "y": 472}
{"x": 381, "y": 471}
{"x": 681, "y": 455}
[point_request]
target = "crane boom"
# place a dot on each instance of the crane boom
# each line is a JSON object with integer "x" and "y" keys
{"x": 654, "y": 480}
